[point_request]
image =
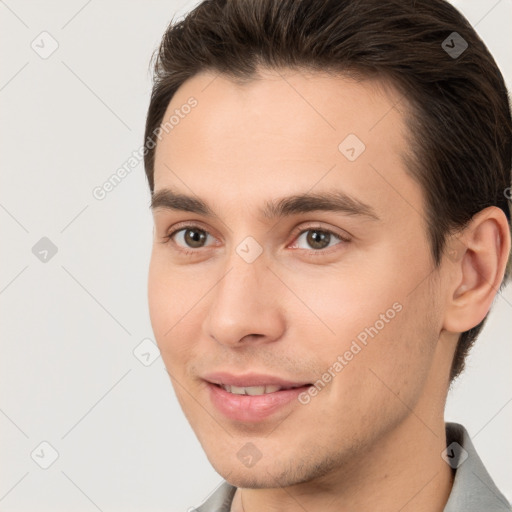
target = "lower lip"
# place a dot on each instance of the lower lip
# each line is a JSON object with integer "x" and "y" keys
{"x": 251, "y": 408}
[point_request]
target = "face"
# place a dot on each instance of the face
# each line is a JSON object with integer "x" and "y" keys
{"x": 299, "y": 269}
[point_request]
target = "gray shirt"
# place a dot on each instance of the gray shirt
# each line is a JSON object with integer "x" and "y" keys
{"x": 473, "y": 489}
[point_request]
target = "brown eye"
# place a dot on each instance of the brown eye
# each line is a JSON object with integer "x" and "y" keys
{"x": 190, "y": 237}
{"x": 317, "y": 239}
{"x": 194, "y": 237}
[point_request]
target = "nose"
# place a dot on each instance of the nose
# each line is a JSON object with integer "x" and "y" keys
{"x": 245, "y": 305}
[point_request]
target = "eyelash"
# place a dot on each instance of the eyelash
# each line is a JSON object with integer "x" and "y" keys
{"x": 314, "y": 252}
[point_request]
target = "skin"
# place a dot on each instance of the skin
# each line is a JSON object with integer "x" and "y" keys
{"x": 373, "y": 437}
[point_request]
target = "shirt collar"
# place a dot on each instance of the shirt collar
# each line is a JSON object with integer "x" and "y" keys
{"x": 473, "y": 489}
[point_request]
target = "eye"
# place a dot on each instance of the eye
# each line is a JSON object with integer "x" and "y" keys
{"x": 318, "y": 239}
{"x": 188, "y": 237}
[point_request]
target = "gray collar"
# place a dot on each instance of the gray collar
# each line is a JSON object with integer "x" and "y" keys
{"x": 473, "y": 489}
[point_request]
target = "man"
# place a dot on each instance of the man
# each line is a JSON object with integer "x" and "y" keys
{"x": 328, "y": 185}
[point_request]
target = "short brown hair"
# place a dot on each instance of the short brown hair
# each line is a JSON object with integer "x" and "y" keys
{"x": 460, "y": 122}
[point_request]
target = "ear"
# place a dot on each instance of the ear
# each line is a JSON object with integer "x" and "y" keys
{"x": 476, "y": 260}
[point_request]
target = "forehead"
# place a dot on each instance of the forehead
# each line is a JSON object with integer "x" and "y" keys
{"x": 284, "y": 131}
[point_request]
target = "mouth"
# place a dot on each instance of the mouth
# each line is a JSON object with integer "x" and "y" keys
{"x": 253, "y": 398}
{"x": 248, "y": 381}
{"x": 255, "y": 390}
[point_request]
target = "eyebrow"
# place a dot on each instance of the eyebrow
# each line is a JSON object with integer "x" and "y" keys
{"x": 333, "y": 201}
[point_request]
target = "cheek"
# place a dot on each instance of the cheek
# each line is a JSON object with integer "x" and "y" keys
{"x": 390, "y": 366}
{"x": 161, "y": 299}
{"x": 171, "y": 300}
{"x": 380, "y": 325}
{"x": 172, "y": 290}
{"x": 342, "y": 304}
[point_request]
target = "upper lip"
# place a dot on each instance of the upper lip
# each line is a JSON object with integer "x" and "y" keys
{"x": 251, "y": 379}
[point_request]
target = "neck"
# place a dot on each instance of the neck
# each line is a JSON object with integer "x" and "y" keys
{"x": 402, "y": 471}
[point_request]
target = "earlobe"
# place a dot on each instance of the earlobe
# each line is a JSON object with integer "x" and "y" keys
{"x": 482, "y": 251}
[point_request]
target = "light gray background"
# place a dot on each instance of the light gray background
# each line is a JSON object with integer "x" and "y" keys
{"x": 68, "y": 374}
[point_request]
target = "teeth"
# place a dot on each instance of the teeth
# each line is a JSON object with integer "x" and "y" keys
{"x": 251, "y": 390}
{"x": 272, "y": 389}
